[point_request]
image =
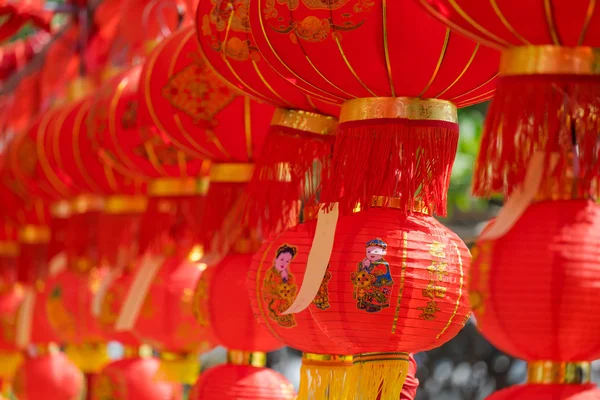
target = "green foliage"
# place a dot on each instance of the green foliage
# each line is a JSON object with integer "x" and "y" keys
{"x": 471, "y": 125}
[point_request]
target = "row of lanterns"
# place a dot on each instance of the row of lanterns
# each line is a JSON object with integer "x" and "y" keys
{"x": 283, "y": 160}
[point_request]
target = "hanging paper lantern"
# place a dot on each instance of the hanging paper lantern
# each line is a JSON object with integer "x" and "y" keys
{"x": 300, "y": 138}
{"x": 166, "y": 318}
{"x": 231, "y": 381}
{"x": 133, "y": 379}
{"x": 357, "y": 51}
{"x": 229, "y": 311}
{"x": 554, "y": 239}
{"x": 403, "y": 276}
{"x": 273, "y": 285}
{"x": 548, "y": 90}
{"x": 548, "y": 391}
{"x": 10, "y": 354}
{"x": 49, "y": 375}
{"x": 68, "y": 301}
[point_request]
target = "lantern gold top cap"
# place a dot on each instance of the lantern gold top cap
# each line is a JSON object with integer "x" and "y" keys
{"x": 167, "y": 187}
{"x": 305, "y": 121}
{"x": 550, "y": 60}
{"x": 253, "y": 358}
{"x": 563, "y": 373}
{"x": 410, "y": 108}
{"x": 231, "y": 172}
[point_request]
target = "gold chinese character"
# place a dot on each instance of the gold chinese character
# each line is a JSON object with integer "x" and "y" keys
{"x": 432, "y": 290}
{"x": 437, "y": 249}
{"x": 429, "y": 311}
{"x": 440, "y": 268}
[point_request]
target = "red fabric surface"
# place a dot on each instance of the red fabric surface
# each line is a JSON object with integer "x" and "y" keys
{"x": 167, "y": 320}
{"x": 10, "y": 300}
{"x": 51, "y": 377}
{"x": 68, "y": 300}
{"x": 533, "y": 289}
{"x": 338, "y": 50}
{"x": 183, "y": 100}
{"x": 429, "y": 266}
{"x": 238, "y": 382}
{"x": 548, "y": 392}
{"x": 517, "y": 24}
{"x": 133, "y": 379}
{"x": 229, "y": 310}
{"x": 227, "y": 42}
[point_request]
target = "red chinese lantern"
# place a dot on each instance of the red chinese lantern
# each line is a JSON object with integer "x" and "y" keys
{"x": 166, "y": 319}
{"x": 68, "y": 301}
{"x": 48, "y": 375}
{"x": 240, "y": 382}
{"x": 558, "y": 242}
{"x": 177, "y": 181}
{"x": 10, "y": 354}
{"x": 198, "y": 113}
{"x": 300, "y": 138}
{"x": 273, "y": 285}
{"x": 399, "y": 119}
{"x": 403, "y": 276}
{"x": 548, "y": 391}
{"x": 134, "y": 378}
{"x": 548, "y": 90}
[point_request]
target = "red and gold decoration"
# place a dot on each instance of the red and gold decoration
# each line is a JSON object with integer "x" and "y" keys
{"x": 234, "y": 325}
{"x": 10, "y": 354}
{"x": 48, "y": 374}
{"x": 548, "y": 91}
{"x": 398, "y": 121}
{"x": 300, "y": 139}
{"x": 133, "y": 378}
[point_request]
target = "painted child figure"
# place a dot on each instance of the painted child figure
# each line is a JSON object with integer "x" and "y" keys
{"x": 373, "y": 281}
{"x": 280, "y": 288}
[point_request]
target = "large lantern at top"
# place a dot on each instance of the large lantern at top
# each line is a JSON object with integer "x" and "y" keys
{"x": 548, "y": 90}
{"x": 300, "y": 139}
{"x": 398, "y": 119}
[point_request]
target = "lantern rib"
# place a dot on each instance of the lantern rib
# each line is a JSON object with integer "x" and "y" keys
{"x": 154, "y": 159}
{"x": 181, "y": 162}
{"x": 266, "y": 37}
{"x": 475, "y": 25}
{"x": 507, "y": 24}
{"x": 459, "y": 28}
{"x": 343, "y": 54}
{"x": 76, "y": 151}
{"x": 43, "y": 159}
{"x": 248, "y": 127}
{"x": 323, "y": 76}
{"x": 439, "y": 63}
{"x": 268, "y": 85}
{"x": 56, "y": 137}
{"x": 588, "y": 17}
{"x": 462, "y": 72}
{"x": 460, "y": 291}
{"x": 549, "y": 11}
{"x": 386, "y": 48}
{"x": 190, "y": 139}
{"x": 477, "y": 88}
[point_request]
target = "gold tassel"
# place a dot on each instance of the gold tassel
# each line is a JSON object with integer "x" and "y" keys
{"x": 380, "y": 376}
{"x": 90, "y": 358}
{"x": 179, "y": 368}
{"x": 9, "y": 363}
{"x": 326, "y": 377}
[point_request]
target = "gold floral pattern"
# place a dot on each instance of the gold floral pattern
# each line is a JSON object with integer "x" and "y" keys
{"x": 197, "y": 93}
{"x": 231, "y": 14}
{"x": 321, "y": 300}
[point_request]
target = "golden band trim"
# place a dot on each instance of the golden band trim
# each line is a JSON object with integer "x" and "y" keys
{"x": 395, "y": 203}
{"x": 34, "y": 234}
{"x": 9, "y": 248}
{"x": 252, "y": 358}
{"x": 550, "y": 60}
{"x": 167, "y": 187}
{"x": 231, "y": 173}
{"x": 374, "y": 357}
{"x": 327, "y": 359}
{"x": 305, "y": 121}
{"x": 398, "y": 107}
{"x": 563, "y": 373}
{"x": 169, "y": 356}
{"x": 125, "y": 205}
{"x": 61, "y": 209}
{"x": 87, "y": 203}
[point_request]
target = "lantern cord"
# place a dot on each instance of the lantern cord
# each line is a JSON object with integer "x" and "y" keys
{"x": 556, "y": 115}
{"x": 407, "y": 160}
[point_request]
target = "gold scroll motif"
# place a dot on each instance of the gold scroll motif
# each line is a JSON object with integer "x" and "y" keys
{"x": 438, "y": 270}
{"x": 197, "y": 94}
{"x": 313, "y": 29}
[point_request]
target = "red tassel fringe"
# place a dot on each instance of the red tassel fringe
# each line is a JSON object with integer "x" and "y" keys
{"x": 273, "y": 200}
{"x": 222, "y": 200}
{"x": 364, "y": 165}
{"x": 32, "y": 263}
{"x": 81, "y": 242}
{"x": 552, "y": 114}
{"x": 171, "y": 221}
{"x": 118, "y": 240}
{"x": 59, "y": 227}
